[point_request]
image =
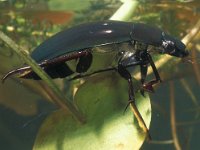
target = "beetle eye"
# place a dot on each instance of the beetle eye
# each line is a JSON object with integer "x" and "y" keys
{"x": 168, "y": 46}
{"x": 179, "y": 45}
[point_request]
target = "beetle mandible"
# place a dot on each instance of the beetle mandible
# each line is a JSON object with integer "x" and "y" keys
{"x": 128, "y": 43}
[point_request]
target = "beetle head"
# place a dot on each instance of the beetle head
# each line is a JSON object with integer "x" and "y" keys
{"x": 173, "y": 46}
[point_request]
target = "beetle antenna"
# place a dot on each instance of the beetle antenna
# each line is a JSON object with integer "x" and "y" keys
{"x": 15, "y": 71}
{"x": 191, "y": 60}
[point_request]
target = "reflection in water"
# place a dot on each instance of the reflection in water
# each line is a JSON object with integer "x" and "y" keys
{"x": 16, "y": 128}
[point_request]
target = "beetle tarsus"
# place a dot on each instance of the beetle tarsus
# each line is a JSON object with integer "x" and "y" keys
{"x": 128, "y": 104}
{"x": 15, "y": 71}
{"x": 5, "y": 77}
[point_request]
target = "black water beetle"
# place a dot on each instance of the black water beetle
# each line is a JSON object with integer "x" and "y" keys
{"x": 126, "y": 43}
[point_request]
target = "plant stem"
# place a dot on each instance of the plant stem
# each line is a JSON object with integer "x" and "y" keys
{"x": 173, "y": 118}
{"x": 66, "y": 105}
{"x": 126, "y": 10}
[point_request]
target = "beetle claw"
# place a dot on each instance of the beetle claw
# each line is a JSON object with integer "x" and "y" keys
{"x": 148, "y": 87}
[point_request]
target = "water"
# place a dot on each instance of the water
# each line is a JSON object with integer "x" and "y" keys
{"x": 25, "y": 104}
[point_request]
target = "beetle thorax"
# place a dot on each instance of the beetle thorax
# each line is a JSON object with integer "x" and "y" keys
{"x": 139, "y": 46}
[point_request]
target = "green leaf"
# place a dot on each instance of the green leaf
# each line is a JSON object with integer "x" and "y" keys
{"x": 102, "y": 99}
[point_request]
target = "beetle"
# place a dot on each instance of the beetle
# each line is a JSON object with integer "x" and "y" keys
{"x": 72, "y": 52}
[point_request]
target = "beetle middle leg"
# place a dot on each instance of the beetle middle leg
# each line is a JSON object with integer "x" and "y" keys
{"x": 105, "y": 70}
{"x": 126, "y": 75}
{"x": 143, "y": 70}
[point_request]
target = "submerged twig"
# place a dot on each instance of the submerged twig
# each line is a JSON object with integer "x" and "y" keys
{"x": 188, "y": 123}
{"x": 190, "y": 92}
{"x": 173, "y": 117}
{"x": 196, "y": 104}
{"x": 125, "y": 11}
{"x": 162, "y": 142}
{"x": 196, "y": 68}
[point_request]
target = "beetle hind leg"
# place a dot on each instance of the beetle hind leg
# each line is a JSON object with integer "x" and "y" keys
{"x": 125, "y": 74}
{"x": 58, "y": 70}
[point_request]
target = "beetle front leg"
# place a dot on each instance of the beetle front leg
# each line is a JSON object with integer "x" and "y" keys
{"x": 149, "y": 86}
{"x": 126, "y": 75}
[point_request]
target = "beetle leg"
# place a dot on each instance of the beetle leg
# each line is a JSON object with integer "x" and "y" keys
{"x": 104, "y": 70}
{"x": 149, "y": 86}
{"x": 143, "y": 69}
{"x": 57, "y": 68}
{"x": 50, "y": 67}
{"x": 66, "y": 57}
{"x": 92, "y": 73}
{"x": 126, "y": 75}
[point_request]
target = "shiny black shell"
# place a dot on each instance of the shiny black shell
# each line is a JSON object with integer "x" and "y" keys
{"x": 95, "y": 34}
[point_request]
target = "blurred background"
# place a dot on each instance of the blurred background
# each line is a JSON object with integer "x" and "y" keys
{"x": 25, "y": 104}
